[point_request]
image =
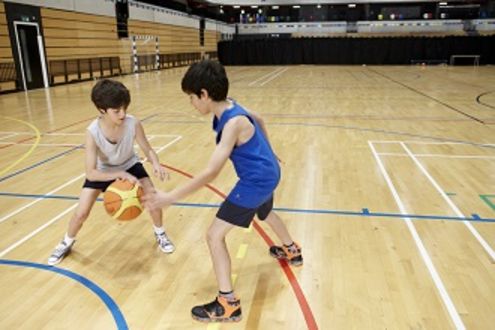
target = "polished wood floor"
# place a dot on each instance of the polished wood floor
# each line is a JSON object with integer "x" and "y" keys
{"x": 388, "y": 184}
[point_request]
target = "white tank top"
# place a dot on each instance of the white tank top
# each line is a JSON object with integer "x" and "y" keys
{"x": 118, "y": 156}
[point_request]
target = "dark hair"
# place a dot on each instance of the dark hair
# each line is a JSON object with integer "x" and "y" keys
{"x": 208, "y": 75}
{"x": 110, "y": 94}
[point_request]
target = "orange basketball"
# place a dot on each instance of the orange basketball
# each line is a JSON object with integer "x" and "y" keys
{"x": 121, "y": 200}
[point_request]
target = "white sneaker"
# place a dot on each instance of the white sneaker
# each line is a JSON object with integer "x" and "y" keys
{"x": 165, "y": 243}
{"x": 61, "y": 250}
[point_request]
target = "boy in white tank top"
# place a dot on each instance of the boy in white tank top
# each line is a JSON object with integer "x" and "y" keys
{"x": 110, "y": 155}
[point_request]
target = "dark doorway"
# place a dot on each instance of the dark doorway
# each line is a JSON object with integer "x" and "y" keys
{"x": 27, "y": 39}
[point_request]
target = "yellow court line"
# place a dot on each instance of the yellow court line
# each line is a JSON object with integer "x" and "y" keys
{"x": 242, "y": 251}
{"x": 35, "y": 144}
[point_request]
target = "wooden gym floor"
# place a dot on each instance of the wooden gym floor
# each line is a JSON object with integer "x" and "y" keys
{"x": 388, "y": 184}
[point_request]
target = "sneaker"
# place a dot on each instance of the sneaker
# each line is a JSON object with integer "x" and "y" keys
{"x": 219, "y": 310}
{"x": 60, "y": 252}
{"x": 292, "y": 254}
{"x": 165, "y": 243}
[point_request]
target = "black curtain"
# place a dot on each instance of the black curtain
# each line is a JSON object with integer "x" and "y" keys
{"x": 388, "y": 50}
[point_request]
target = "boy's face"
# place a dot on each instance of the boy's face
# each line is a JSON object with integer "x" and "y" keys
{"x": 200, "y": 103}
{"x": 116, "y": 116}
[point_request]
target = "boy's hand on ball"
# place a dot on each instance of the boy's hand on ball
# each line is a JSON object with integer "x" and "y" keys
{"x": 129, "y": 177}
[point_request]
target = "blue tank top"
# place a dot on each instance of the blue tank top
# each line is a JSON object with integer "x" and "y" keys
{"x": 255, "y": 163}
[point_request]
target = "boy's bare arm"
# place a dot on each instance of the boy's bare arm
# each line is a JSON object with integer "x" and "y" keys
{"x": 217, "y": 160}
{"x": 148, "y": 151}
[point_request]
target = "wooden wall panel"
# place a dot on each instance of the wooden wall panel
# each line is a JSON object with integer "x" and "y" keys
{"x": 71, "y": 35}
{"x": 5, "y": 46}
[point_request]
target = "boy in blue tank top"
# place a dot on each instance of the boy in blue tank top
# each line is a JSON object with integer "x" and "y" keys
{"x": 241, "y": 136}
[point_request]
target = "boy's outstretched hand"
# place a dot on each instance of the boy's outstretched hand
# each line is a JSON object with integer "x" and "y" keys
{"x": 156, "y": 200}
{"x": 160, "y": 172}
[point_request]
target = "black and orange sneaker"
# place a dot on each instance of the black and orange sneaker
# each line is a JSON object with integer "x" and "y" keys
{"x": 219, "y": 310}
{"x": 291, "y": 254}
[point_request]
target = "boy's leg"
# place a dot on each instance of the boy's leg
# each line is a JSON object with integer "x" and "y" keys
{"x": 87, "y": 199}
{"x": 219, "y": 253}
{"x": 226, "y": 307}
{"x": 289, "y": 250}
{"x": 164, "y": 242}
{"x": 279, "y": 228}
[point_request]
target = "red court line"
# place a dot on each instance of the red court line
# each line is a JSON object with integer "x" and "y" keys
{"x": 303, "y": 303}
{"x": 53, "y": 130}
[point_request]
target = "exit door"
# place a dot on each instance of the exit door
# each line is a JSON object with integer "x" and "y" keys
{"x": 31, "y": 55}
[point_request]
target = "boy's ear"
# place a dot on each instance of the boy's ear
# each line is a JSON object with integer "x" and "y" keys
{"x": 204, "y": 93}
{"x": 102, "y": 111}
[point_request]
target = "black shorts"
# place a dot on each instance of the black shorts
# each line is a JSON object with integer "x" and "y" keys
{"x": 242, "y": 216}
{"x": 137, "y": 170}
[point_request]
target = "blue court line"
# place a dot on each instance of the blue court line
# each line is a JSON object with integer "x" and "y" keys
{"x": 364, "y": 129}
{"x": 54, "y": 157}
{"x": 364, "y": 213}
{"x": 25, "y": 169}
{"x": 109, "y": 302}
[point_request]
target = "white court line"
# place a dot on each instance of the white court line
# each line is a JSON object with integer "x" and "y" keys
{"x": 473, "y": 144}
{"x": 392, "y": 154}
{"x": 454, "y": 315}
{"x": 33, "y": 233}
{"x": 42, "y": 144}
{"x": 8, "y": 136}
{"x": 274, "y": 76}
{"x": 475, "y": 233}
{"x": 79, "y": 134}
{"x": 40, "y": 199}
{"x": 16, "y": 132}
{"x": 266, "y": 75}
{"x": 53, "y": 220}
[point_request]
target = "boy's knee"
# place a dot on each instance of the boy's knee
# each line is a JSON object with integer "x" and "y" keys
{"x": 213, "y": 237}
{"x": 81, "y": 216}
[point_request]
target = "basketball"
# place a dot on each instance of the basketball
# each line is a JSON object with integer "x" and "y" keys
{"x": 121, "y": 200}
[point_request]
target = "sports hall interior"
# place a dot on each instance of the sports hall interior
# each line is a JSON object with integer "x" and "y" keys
{"x": 382, "y": 114}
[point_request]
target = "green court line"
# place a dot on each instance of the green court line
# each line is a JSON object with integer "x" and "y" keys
{"x": 486, "y": 199}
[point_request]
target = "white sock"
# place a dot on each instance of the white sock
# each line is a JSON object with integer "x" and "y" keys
{"x": 159, "y": 230}
{"x": 68, "y": 240}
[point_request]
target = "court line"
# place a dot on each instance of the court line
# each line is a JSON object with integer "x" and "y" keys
{"x": 303, "y": 303}
{"x": 30, "y": 151}
{"x": 273, "y": 77}
{"x": 8, "y": 136}
{"x": 41, "y": 197}
{"x": 478, "y": 100}
{"x": 454, "y": 315}
{"x": 43, "y": 144}
{"x": 266, "y": 75}
{"x": 432, "y": 142}
{"x": 55, "y": 157}
{"x": 25, "y": 169}
{"x": 54, "y": 130}
{"x": 473, "y": 231}
{"x": 107, "y": 300}
{"x": 36, "y": 231}
{"x": 391, "y": 154}
{"x": 375, "y": 130}
{"x": 365, "y": 211}
{"x": 428, "y": 96}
